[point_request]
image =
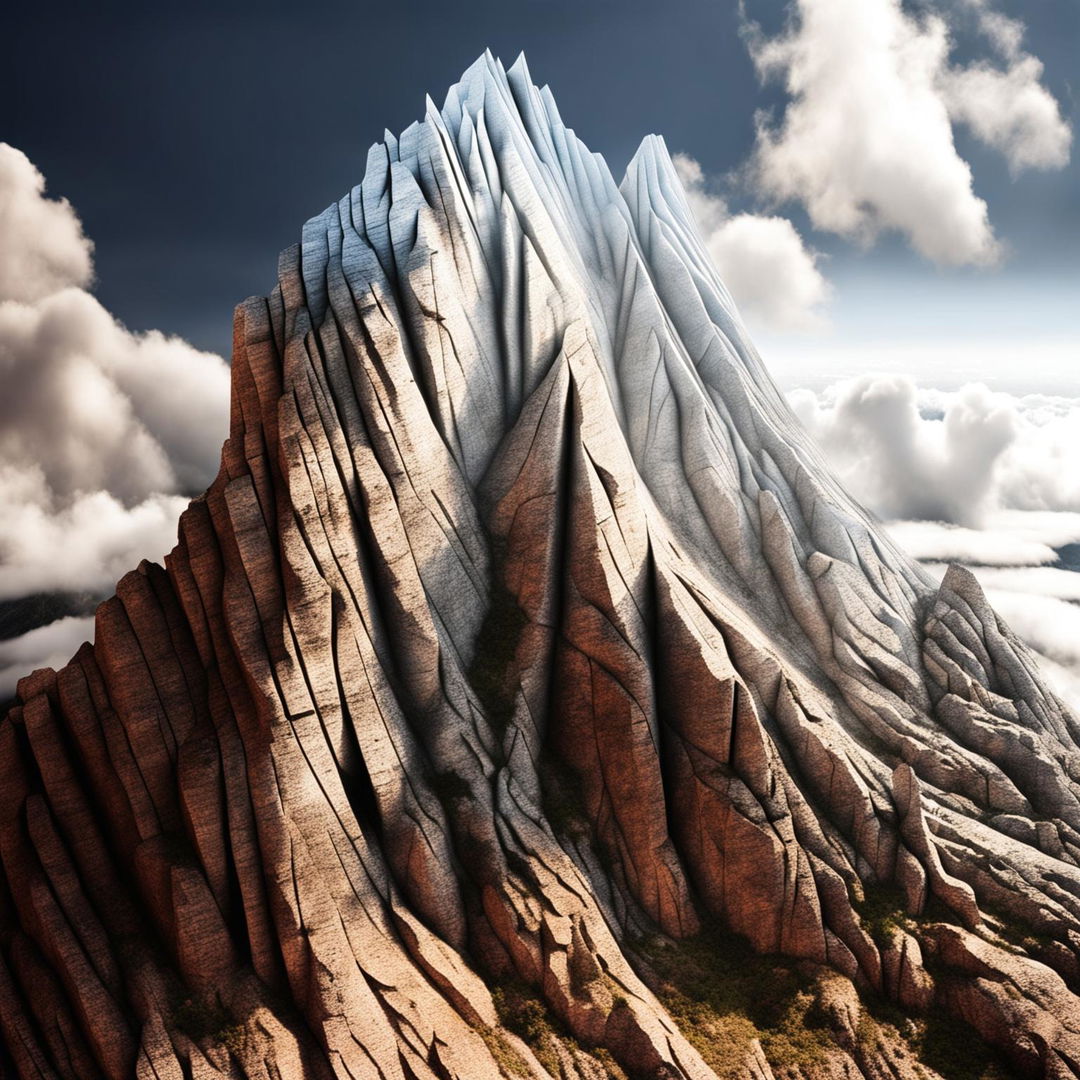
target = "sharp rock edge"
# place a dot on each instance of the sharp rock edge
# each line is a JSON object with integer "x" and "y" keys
{"x": 524, "y": 638}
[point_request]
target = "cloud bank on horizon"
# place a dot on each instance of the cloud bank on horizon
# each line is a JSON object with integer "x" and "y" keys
{"x": 103, "y": 432}
{"x": 950, "y": 456}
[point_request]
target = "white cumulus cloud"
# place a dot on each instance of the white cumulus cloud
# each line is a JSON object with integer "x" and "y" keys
{"x": 43, "y": 245}
{"x": 102, "y": 431}
{"x": 956, "y": 457}
{"x": 771, "y": 273}
{"x": 1011, "y": 111}
{"x": 1004, "y": 32}
{"x": 1007, "y": 107}
{"x": 866, "y": 140}
{"x": 80, "y": 544}
{"x": 904, "y": 464}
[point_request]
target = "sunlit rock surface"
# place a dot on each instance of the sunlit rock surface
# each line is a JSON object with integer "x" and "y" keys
{"x": 524, "y": 666}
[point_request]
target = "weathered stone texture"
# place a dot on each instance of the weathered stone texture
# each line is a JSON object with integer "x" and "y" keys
{"x": 523, "y": 623}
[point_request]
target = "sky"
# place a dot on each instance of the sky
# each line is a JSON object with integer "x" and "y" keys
{"x": 195, "y": 139}
{"x": 890, "y": 190}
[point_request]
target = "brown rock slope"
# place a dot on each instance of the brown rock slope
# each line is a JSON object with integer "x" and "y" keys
{"x": 524, "y": 698}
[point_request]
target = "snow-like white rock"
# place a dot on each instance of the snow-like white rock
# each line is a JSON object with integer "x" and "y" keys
{"x": 522, "y": 620}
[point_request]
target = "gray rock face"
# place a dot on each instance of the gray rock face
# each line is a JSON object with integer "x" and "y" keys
{"x": 524, "y": 650}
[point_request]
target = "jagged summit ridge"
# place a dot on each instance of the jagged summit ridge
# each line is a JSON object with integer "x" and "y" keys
{"x": 522, "y": 624}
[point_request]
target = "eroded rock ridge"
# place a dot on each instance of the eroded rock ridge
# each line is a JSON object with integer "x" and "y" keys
{"x": 525, "y": 698}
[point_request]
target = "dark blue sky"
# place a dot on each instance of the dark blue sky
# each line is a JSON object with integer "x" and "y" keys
{"x": 194, "y": 140}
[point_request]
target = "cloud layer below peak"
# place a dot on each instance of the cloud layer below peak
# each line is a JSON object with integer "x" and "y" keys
{"x": 948, "y": 456}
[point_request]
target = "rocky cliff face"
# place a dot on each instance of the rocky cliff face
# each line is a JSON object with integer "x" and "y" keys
{"x": 525, "y": 698}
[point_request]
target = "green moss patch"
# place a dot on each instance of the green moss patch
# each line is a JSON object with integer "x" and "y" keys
{"x": 881, "y": 912}
{"x": 521, "y": 1011}
{"x": 952, "y": 1048}
{"x": 206, "y": 1021}
{"x": 723, "y": 995}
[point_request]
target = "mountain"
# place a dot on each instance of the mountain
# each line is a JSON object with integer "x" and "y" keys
{"x": 525, "y": 697}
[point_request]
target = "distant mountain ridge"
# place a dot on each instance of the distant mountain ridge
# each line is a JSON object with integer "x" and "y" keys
{"x": 526, "y": 698}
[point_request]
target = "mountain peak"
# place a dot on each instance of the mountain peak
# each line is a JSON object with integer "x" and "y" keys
{"x": 524, "y": 677}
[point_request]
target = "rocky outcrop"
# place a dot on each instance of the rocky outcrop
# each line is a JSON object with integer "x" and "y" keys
{"x": 525, "y": 698}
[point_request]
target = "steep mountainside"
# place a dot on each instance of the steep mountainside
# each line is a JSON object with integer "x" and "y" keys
{"x": 525, "y": 698}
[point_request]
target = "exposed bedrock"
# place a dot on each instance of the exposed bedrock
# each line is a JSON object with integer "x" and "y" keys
{"x": 525, "y": 698}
